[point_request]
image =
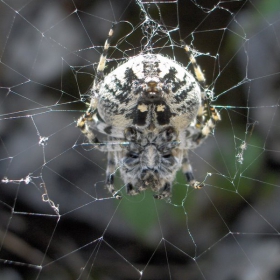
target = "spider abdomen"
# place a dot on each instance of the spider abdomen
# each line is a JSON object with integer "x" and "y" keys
{"x": 149, "y": 89}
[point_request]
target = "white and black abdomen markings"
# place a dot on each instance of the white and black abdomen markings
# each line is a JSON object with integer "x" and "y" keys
{"x": 149, "y": 89}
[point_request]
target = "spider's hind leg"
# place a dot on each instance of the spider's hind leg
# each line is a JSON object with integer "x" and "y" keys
{"x": 110, "y": 175}
{"x": 187, "y": 169}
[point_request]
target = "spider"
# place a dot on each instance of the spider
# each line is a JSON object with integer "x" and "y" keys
{"x": 153, "y": 111}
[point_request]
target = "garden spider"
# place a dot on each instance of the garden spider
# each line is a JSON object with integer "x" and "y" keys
{"x": 153, "y": 111}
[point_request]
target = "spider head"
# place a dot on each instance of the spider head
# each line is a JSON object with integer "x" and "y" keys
{"x": 151, "y": 160}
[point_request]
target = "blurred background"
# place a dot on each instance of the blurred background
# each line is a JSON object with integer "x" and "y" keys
{"x": 228, "y": 230}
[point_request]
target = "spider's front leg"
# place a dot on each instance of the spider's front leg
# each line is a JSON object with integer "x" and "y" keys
{"x": 164, "y": 192}
{"x": 206, "y": 122}
{"x": 90, "y": 122}
{"x": 187, "y": 169}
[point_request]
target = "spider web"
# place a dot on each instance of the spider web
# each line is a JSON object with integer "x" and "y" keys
{"x": 57, "y": 220}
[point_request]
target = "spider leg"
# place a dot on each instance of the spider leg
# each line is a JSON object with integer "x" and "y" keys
{"x": 187, "y": 169}
{"x": 90, "y": 122}
{"x": 207, "y": 116}
{"x": 130, "y": 190}
{"x": 198, "y": 73}
{"x": 102, "y": 61}
{"x": 90, "y": 115}
{"x": 87, "y": 130}
{"x": 206, "y": 119}
{"x": 110, "y": 171}
{"x": 82, "y": 123}
{"x": 206, "y": 126}
{"x": 164, "y": 192}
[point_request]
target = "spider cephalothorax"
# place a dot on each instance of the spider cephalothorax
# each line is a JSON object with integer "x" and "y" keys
{"x": 150, "y": 160}
{"x": 155, "y": 111}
